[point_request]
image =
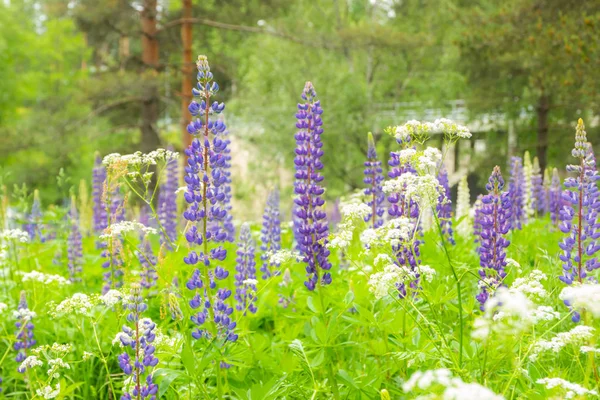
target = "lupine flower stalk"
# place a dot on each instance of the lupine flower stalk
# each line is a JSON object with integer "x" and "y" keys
{"x": 34, "y": 220}
{"x": 463, "y": 208}
{"x": 227, "y": 188}
{"x": 528, "y": 206}
{"x": 516, "y": 191}
{"x": 579, "y": 215}
{"x": 147, "y": 259}
{"x": 245, "y": 277}
{"x": 537, "y": 187}
{"x": 24, "y": 333}
{"x": 444, "y": 207}
{"x": 98, "y": 179}
{"x": 373, "y": 179}
{"x": 478, "y": 217}
{"x": 167, "y": 203}
{"x": 312, "y": 225}
{"x": 111, "y": 249}
{"x": 495, "y": 223}
{"x": 546, "y": 184}
{"x": 139, "y": 339}
{"x": 555, "y": 198}
{"x": 74, "y": 245}
{"x": 205, "y": 197}
{"x": 270, "y": 235}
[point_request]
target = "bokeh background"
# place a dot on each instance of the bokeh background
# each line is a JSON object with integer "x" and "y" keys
{"x": 85, "y": 76}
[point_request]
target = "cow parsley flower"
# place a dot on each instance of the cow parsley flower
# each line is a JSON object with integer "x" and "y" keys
{"x": 571, "y": 390}
{"x": 79, "y": 303}
{"x": 49, "y": 392}
{"x": 124, "y": 227}
{"x": 46, "y": 279}
{"x": 583, "y": 297}
{"x": 575, "y": 336}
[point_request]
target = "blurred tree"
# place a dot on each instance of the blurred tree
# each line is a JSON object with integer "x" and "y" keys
{"x": 533, "y": 59}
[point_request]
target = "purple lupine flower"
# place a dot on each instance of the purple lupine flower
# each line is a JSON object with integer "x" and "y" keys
{"x": 334, "y": 215}
{"x": 147, "y": 259}
{"x": 537, "y": 188}
{"x": 24, "y": 333}
{"x": 245, "y": 277}
{"x": 270, "y": 235}
{"x": 313, "y": 228}
{"x": 579, "y": 215}
{"x": 139, "y": 339}
{"x": 205, "y": 197}
{"x": 34, "y": 226}
{"x": 111, "y": 249}
{"x": 373, "y": 179}
{"x": 167, "y": 203}
{"x": 555, "y": 197}
{"x": 495, "y": 223}
{"x": 444, "y": 206}
{"x": 516, "y": 186}
{"x": 74, "y": 245}
{"x": 99, "y": 209}
{"x": 407, "y": 254}
{"x": 228, "y": 220}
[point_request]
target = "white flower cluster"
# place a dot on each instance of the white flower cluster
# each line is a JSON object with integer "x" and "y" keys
{"x": 380, "y": 283}
{"x": 588, "y": 349}
{"x": 455, "y": 388}
{"x": 283, "y": 256}
{"x": 171, "y": 342}
{"x": 443, "y": 125}
{"x": 423, "y": 189}
{"x": 571, "y": 389}
{"x": 79, "y": 303}
{"x": 531, "y": 286}
{"x": 16, "y": 235}
{"x": 139, "y": 159}
{"x": 30, "y": 362}
{"x": 575, "y": 336}
{"x": 46, "y": 279}
{"x": 47, "y": 392}
{"x": 120, "y": 228}
{"x": 3, "y": 307}
{"x": 24, "y": 314}
{"x": 55, "y": 364}
{"x": 55, "y": 347}
{"x": 583, "y": 297}
{"x": 111, "y": 298}
{"x": 392, "y": 233}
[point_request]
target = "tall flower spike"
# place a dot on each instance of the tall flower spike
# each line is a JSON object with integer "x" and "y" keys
{"x": 546, "y": 184}
{"x": 147, "y": 259}
{"x": 537, "y": 188}
{"x": 579, "y": 215}
{"x": 555, "y": 200}
{"x": 245, "y": 277}
{"x": 373, "y": 179}
{"x": 516, "y": 191}
{"x": 98, "y": 178}
{"x": 205, "y": 213}
{"x": 477, "y": 218}
{"x": 167, "y": 203}
{"x": 74, "y": 245}
{"x": 444, "y": 206}
{"x": 270, "y": 235}
{"x": 140, "y": 340}
{"x": 528, "y": 206}
{"x": 24, "y": 333}
{"x": 313, "y": 228}
{"x": 34, "y": 220}
{"x": 463, "y": 208}
{"x": 227, "y": 188}
{"x": 407, "y": 254}
{"x": 495, "y": 223}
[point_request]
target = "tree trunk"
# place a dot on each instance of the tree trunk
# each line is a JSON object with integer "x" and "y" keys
{"x": 150, "y": 106}
{"x": 543, "y": 109}
{"x": 186, "y": 72}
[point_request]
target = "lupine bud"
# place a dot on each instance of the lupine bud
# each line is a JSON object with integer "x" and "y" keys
{"x": 373, "y": 179}
{"x": 245, "y": 277}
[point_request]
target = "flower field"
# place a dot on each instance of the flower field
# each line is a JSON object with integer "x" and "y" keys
{"x": 142, "y": 285}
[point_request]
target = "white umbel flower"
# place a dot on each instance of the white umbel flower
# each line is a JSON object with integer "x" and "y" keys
{"x": 583, "y": 297}
{"x": 120, "y": 228}
{"x": 575, "y": 336}
{"x": 46, "y": 279}
{"x": 571, "y": 389}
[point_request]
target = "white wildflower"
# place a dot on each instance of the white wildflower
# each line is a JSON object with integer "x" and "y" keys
{"x": 382, "y": 259}
{"x": 47, "y": 392}
{"x": 571, "y": 389}
{"x": 369, "y": 237}
{"x": 251, "y": 282}
{"x": 455, "y": 388}
{"x": 79, "y": 303}
{"x": 138, "y": 159}
{"x": 24, "y": 314}
{"x": 15, "y": 234}
{"x": 3, "y": 307}
{"x": 423, "y": 189}
{"x": 283, "y": 256}
{"x": 451, "y": 129}
{"x": 121, "y": 228}
{"x": 30, "y": 362}
{"x": 87, "y": 355}
{"x": 544, "y": 314}
{"x": 531, "y": 286}
{"x": 111, "y": 298}
{"x": 575, "y": 336}
{"x": 406, "y": 155}
{"x": 425, "y": 379}
{"x": 588, "y": 349}
{"x": 583, "y": 297}
{"x": 426, "y": 272}
{"x": 46, "y": 279}
{"x": 469, "y": 391}
{"x": 463, "y": 206}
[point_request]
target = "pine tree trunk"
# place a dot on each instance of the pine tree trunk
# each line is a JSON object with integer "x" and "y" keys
{"x": 543, "y": 109}
{"x": 150, "y": 107}
{"x": 186, "y": 71}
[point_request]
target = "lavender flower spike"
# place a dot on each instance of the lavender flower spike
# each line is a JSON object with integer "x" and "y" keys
{"x": 579, "y": 215}
{"x": 139, "y": 339}
{"x": 313, "y": 228}
{"x": 74, "y": 245}
{"x": 516, "y": 188}
{"x": 167, "y": 202}
{"x": 373, "y": 179}
{"x": 245, "y": 278}
{"x": 444, "y": 207}
{"x": 555, "y": 201}
{"x": 495, "y": 223}
{"x": 24, "y": 331}
{"x": 205, "y": 212}
{"x": 270, "y": 235}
